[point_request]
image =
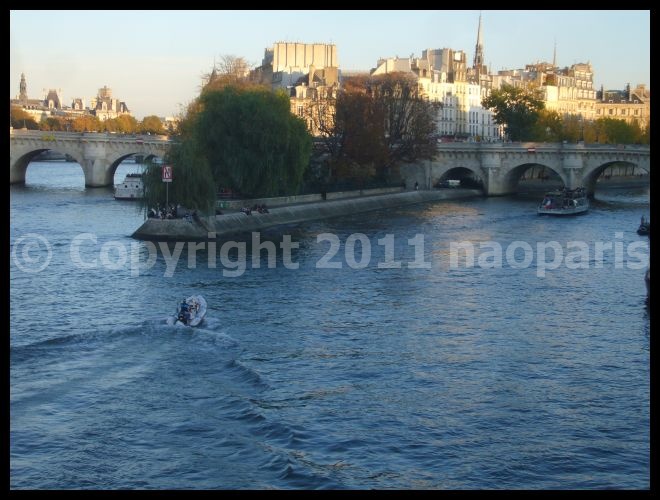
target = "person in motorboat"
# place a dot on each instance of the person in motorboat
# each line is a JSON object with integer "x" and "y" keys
{"x": 184, "y": 313}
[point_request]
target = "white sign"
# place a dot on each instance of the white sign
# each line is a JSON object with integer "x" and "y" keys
{"x": 167, "y": 173}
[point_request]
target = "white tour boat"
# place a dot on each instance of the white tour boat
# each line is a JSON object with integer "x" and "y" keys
{"x": 131, "y": 189}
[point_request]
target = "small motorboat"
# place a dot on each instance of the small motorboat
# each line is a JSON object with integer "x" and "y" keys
{"x": 189, "y": 312}
{"x": 644, "y": 228}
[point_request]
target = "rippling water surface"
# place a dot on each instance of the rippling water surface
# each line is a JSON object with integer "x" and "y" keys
{"x": 368, "y": 377}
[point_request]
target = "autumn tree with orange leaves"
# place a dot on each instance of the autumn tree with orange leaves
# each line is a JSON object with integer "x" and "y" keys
{"x": 379, "y": 123}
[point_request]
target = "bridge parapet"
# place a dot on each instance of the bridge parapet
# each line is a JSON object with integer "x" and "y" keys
{"x": 51, "y": 136}
{"x": 552, "y": 147}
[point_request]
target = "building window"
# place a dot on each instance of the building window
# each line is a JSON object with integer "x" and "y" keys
{"x": 300, "y": 110}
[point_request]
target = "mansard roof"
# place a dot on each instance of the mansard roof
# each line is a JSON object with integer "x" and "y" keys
{"x": 52, "y": 96}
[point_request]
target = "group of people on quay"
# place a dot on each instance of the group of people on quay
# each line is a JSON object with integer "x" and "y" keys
{"x": 255, "y": 208}
{"x": 171, "y": 211}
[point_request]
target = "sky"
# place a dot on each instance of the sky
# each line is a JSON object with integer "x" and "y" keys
{"x": 154, "y": 60}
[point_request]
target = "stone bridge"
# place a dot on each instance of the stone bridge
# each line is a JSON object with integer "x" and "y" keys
{"x": 99, "y": 154}
{"x": 499, "y": 166}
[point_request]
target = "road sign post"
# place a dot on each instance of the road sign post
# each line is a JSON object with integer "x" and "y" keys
{"x": 167, "y": 178}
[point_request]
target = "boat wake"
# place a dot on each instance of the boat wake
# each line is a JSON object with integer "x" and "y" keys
{"x": 152, "y": 330}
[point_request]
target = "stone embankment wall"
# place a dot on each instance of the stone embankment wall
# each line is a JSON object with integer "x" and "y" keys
{"x": 224, "y": 225}
{"x": 303, "y": 198}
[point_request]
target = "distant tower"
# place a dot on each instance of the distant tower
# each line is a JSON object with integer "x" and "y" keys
{"x": 554, "y": 55}
{"x": 479, "y": 51}
{"x": 23, "y": 89}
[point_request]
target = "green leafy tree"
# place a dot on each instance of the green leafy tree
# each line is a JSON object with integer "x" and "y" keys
{"x": 572, "y": 128}
{"x": 638, "y": 134}
{"x": 20, "y": 119}
{"x": 241, "y": 138}
{"x": 124, "y": 124}
{"x": 172, "y": 128}
{"x": 127, "y": 124}
{"x": 110, "y": 125}
{"x": 548, "y": 127}
{"x": 86, "y": 123}
{"x": 152, "y": 125}
{"x": 517, "y": 109}
{"x": 193, "y": 185}
{"x": 646, "y": 134}
{"x": 612, "y": 131}
{"x": 589, "y": 132}
{"x": 55, "y": 123}
{"x": 251, "y": 140}
{"x": 602, "y": 130}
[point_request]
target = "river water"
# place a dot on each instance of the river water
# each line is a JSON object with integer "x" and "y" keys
{"x": 381, "y": 365}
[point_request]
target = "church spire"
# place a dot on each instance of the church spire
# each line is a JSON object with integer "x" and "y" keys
{"x": 23, "y": 89}
{"x": 479, "y": 50}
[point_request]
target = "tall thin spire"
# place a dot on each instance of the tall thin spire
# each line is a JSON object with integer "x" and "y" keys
{"x": 478, "y": 50}
{"x": 554, "y": 55}
{"x": 23, "y": 88}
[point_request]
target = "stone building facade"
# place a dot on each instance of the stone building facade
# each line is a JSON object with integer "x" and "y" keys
{"x": 103, "y": 106}
{"x": 309, "y": 73}
{"x": 568, "y": 91}
{"x": 628, "y": 105}
{"x": 442, "y": 76}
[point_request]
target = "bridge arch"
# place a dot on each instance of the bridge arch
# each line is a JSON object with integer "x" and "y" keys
{"x": 117, "y": 160}
{"x": 469, "y": 177}
{"x": 98, "y": 153}
{"x": 513, "y": 175}
{"x": 18, "y": 168}
{"x": 590, "y": 177}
